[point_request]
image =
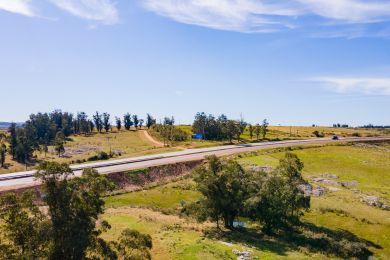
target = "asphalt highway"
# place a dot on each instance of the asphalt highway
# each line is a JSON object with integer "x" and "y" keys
{"x": 25, "y": 179}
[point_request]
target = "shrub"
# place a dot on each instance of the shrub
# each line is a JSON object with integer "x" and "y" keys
{"x": 100, "y": 156}
{"x": 318, "y": 134}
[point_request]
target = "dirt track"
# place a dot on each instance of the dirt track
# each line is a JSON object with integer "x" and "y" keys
{"x": 151, "y": 139}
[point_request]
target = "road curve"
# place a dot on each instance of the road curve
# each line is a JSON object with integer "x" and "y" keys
{"x": 13, "y": 181}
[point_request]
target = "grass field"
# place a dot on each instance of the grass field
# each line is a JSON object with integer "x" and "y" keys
{"x": 338, "y": 213}
{"x": 307, "y": 131}
{"x": 303, "y": 132}
{"x": 81, "y": 147}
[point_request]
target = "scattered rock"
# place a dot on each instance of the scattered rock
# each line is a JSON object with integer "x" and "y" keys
{"x": 82, "y": 149}
{"x": 319, "y": 191}
{"x": 308, "y": 190}
{"x": 374, "y": 201}
{"x": 327, "y": 181}
{"x": 347, "y": 184}
{"x": 258, "y": 168}
{"x": 334, "y": 189}
{"x": 226, "y": 243}
{"x": 329, "y": 176}
{"x": 242, "y": 255}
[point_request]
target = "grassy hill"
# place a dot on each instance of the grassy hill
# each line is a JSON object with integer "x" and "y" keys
{"x": 338, "y": 219}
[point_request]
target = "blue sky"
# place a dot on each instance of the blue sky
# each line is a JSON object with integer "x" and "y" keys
{"x": 293, "y": 61}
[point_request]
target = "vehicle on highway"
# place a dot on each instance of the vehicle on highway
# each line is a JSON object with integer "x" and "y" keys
{"x": 335, "y": 137}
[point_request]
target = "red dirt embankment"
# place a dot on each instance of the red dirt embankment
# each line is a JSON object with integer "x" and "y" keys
{"x": 138, "y": 179}
{"x": 135, "y": 179}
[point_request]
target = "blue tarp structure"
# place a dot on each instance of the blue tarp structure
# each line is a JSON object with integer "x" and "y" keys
{"x": 197, "y": 136}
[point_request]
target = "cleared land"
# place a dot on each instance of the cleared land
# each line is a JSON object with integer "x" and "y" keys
{"x": 339, "y": 213}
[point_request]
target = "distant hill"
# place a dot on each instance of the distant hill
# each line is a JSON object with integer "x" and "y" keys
{"x": 7, "y": 124}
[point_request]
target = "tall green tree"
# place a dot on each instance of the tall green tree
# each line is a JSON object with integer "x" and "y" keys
{"x": 67, "y": 229}
{"x": 73, "y": 207}
{"x": 223, "y": 185}
{"x": 106, "y": 121}
{"x": 199, "y": 125}
{"x": 97, "y": 119}
{"x": 127, "y": 121}
{"x": 3, "y": 153}
{"x": 135, "y": 121}
{"x": 264, "y": 128}
{"x": 12, "y": 139}
{"x": 25, "y": 146}
{"x": 91, "y": 125}
{"x": 276, "y": 200}
{"x": 258, "y": 131}
{"x": 59, "y": 143}
{"x": 251, "y": 130}
{"x": 150, "y": 121}
{"x": 118, "y": 122}
{"x": 232, "y": 130}
{"x": 84, "y": 126}
{"x": 134, "y": 245}
{"x": 24, "y": 228}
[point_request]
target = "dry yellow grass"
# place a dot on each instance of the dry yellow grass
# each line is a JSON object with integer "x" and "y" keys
{"x": 307, "y": 131}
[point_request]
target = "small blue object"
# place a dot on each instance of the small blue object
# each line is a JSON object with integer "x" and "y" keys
{"x": 197, "y": 136}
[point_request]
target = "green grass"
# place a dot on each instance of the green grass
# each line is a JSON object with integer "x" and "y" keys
{"x": 164, "y": 197}
{"x": 337, "y": 211}
{"x": 176, "y": 238}
{"x": 370, "y": 167}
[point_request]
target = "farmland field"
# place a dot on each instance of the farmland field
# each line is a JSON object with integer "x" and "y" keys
{"x": 339, "y": 213}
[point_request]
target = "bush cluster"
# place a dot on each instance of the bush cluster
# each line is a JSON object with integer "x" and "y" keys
{"x": 229, "y": 192}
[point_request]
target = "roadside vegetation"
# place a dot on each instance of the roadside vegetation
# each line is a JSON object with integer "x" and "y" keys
{"x": 65, "y": 224}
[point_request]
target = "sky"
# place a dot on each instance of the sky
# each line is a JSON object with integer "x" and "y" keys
{"x": 294, "y": 62}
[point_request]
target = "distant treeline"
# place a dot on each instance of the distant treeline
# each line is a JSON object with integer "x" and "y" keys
{"x": 338, "y": 125}
{"x": 44, "y": 129}
{"x": 222, "y": 128}
{"x": 5, "y": 125}
{"x": 375, "y": 126}
{"x": 364, "y": 126}
{"x": 169, "y": 132}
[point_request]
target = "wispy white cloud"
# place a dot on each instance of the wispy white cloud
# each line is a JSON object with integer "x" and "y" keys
{"x": 103, "y": 11}
{"x": 23, "y": 7}
{"x": 232, "y": 15}
{"x": 363, "y": 85}
{"x": 273, "y": 15}
{"x": 352, "y": 11}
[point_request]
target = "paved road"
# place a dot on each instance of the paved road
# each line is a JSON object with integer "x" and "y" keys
{"x": 18, "y": 180}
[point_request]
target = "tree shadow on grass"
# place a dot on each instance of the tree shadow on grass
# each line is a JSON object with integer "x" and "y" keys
{"x": 307, "y": 237}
